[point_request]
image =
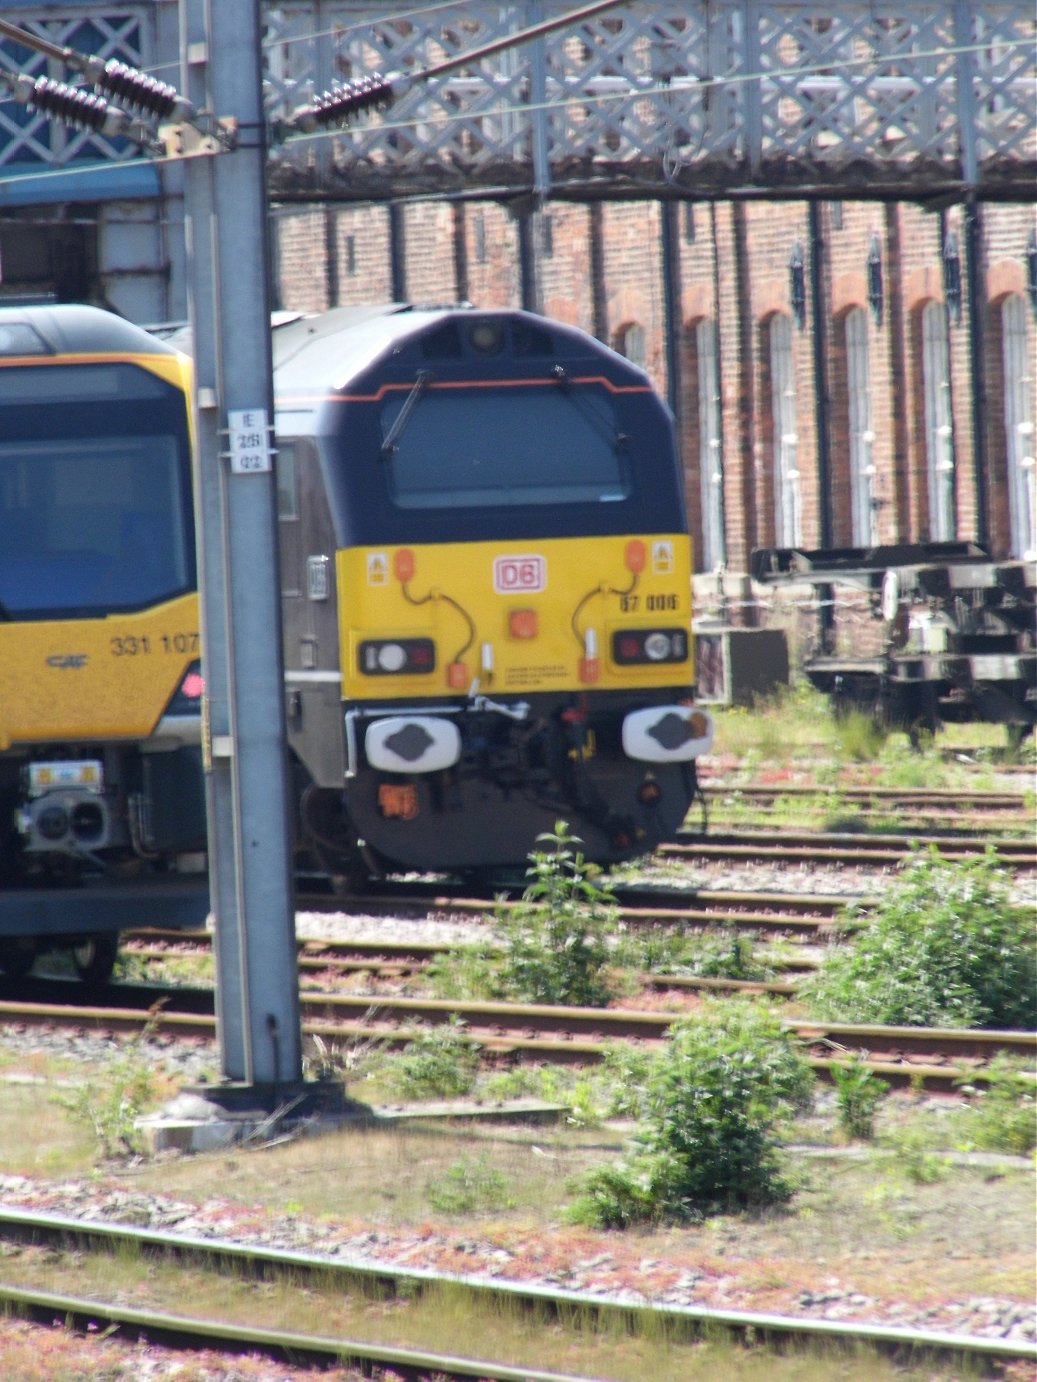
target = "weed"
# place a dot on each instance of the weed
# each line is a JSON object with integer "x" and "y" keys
{"x": 1002, "y": 1111}
{"x": 351, "y": 1061}
{"x": 469, "y": 972}
{"x": 860, "y": 736}
{"x": 469, "y": 1186}
{"x": 553, "y": 945}
{"x": 556, "y": 941}
{"x": 111, "y": 1105}
{"x": 443, "y": 1062}
{"x": 945, "y": 946}
{"x": 858, "y": 1093}
{"x": 706, "y": 955}
{"x": 911, "y": 1156}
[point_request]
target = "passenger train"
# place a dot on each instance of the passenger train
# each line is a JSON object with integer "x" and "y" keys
{"x": 486, "y": 576}
{"x": 100, "y": 686}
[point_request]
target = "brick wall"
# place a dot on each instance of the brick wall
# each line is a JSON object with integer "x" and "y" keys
{"x": 602, "y": 267}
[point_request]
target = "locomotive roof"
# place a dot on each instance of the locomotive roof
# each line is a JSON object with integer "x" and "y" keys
{"x": 303, "y": 360}
{"x": 78, "y": 329}
{"x": 322, "y": 352}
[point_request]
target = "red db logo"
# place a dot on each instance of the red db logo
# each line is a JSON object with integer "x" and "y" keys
{"x": 512, "y": 574}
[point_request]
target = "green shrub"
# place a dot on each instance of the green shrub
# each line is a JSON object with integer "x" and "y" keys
{"x": 712, "y": 1103}
{"x": 945, "y": 946}
{"x": 443, "y": 1061}
{"x": 469, "y": 1186}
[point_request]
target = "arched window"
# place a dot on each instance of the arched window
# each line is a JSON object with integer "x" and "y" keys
{"x": 1019, "y": 431}
{"x": 630, "y": 341}
{"x": 711, "y": 457}
{"x": 861, "y": 436}
{"x": 939, "y": 430}
{"x": 788, "y": 506}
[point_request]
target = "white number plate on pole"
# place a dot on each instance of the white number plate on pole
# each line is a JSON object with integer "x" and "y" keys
{"x": 249, "y": 441}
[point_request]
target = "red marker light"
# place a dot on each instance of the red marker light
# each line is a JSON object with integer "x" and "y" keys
{"x": 403, "y": 564}
{"x": 635, "y": 555}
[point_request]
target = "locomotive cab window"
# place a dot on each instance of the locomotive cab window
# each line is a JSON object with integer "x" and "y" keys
{"x": 476, "y": 448}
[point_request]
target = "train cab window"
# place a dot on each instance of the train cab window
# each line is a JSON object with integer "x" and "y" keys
{"x": 476, "y": 448}
{"x": 95, "y": 501}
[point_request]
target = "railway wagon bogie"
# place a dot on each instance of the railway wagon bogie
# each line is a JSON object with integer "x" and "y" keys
{"x": 487, "y": 582}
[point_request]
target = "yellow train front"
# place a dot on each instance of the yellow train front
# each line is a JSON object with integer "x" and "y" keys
{"x": 487, "y": 591}
{"x": 100, "y": 687}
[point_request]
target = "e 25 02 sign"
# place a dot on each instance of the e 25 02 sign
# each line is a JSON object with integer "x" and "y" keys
{"x": 513, "y": 574}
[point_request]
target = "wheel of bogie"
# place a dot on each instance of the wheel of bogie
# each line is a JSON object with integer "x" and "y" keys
{"x": 94, "y": 957}
{"x": 17, "y": 957}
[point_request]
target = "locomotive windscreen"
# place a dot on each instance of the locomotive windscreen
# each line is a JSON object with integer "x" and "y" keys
{"x": 444, "y": 449}
{"x": 95, "y": 507}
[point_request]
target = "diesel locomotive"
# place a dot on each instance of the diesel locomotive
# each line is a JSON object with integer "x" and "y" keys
{"x": 101, "y": 774}
{"x": 486, "y": 583}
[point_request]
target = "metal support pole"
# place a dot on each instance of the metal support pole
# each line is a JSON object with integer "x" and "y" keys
{"x": 671, "y": 273}
{"x": 976, "y": 307}
{"x": 245, "y": 743}
{"x": 822, "y": 418}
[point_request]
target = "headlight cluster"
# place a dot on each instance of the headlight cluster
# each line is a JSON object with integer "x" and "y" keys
{"x": 391, "y": 657}
{"x": 631, "y": 647}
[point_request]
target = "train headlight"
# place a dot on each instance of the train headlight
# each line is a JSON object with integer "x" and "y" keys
{"x": 658, "y": 647}
{"x": 487, "y": 336}
{"x": 391, "y": 657}
{"x": 633, "y": 647}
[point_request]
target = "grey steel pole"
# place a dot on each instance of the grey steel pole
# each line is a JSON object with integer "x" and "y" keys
{"x": 245, "y": 743}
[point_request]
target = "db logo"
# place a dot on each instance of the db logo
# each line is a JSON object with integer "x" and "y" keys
{"x": 512, "y": 574}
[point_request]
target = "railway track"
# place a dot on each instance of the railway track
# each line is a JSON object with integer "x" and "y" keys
{"x": 923, "y": 798}
{"x": 312, "y": 1351}
{"x": 401, "y": 959}
{"x": 853, "y": 849}
{"x": 933, "y": 1057}
{"x": 788, "y": 914}
{"x": 338, "y": 1277}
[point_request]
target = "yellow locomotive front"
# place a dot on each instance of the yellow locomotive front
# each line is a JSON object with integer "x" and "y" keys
{"x": 99, "y": 660}
{"x": 507, "y": 616}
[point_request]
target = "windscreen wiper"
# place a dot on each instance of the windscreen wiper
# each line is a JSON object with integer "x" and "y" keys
{"x": 403, "y": 416}
{"x": 581, "y": 402}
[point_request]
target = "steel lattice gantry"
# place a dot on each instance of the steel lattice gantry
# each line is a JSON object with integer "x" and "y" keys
{"x": 701, "y": 97}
